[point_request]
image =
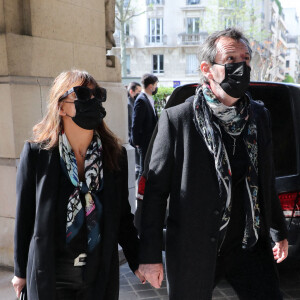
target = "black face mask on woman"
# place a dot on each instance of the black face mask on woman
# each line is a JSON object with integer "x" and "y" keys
{"x": 237, "y": 79}
{"x": 89, "y": 111}
{"x": 89, "y": 114}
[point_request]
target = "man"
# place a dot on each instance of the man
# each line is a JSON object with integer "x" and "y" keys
{"x": 213, "y": 156}
{"x": 134, "y": 89}
{"x": 144, "y": 118}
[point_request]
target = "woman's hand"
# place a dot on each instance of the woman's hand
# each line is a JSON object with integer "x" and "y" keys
{"x": 140, "y": 276}
{"x": 18, "y": 284}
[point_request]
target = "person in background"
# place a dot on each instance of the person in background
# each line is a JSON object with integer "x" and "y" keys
{"x": 133, "y": 89}
{"x": 72, "y": 199}
{"x": 144, "y": 118}
{"x": 213, "y": 156}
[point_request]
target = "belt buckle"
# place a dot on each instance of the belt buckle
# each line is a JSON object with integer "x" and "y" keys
{"x": 80, "y": 260}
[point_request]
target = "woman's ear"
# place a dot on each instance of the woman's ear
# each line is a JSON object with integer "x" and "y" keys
{"x": 61, "y": 110}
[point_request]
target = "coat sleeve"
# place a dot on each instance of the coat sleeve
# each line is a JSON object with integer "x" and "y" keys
{"x": 128, "y": 237}
{"x": 278, "y": 228}
{"x": 139, "y": 112}
{"x": 25, "y": 211}
{"x": 157, "y": 190}
{"x": 129, "y": 120}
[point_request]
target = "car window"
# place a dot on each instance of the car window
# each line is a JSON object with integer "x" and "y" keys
{"x": 277, "y": 100}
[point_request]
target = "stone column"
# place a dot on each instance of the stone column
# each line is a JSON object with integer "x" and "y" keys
{"x": 38, "y": 40}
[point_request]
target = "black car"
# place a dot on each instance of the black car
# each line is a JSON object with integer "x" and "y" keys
{"x": 283, "y": 102}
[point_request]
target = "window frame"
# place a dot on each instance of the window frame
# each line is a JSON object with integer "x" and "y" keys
{"x": 156, "y": 38}
{"x": 159, "y": 63}
{"x": 195, "y": 21}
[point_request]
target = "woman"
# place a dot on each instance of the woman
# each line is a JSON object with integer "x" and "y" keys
{"x": 72, "y": 192}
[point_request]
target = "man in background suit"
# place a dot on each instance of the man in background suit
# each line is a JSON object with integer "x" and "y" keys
{"x": 134, "y": 89}
{"x": 144, "y": 118}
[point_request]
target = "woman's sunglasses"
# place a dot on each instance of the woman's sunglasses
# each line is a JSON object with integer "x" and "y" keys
{"x": 84, "y": 93}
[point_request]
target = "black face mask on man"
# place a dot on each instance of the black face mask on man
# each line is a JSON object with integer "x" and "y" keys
{"x": 237, "y": 79}
{"x": 155, "y": 91}
{"x": 89, "y": 114}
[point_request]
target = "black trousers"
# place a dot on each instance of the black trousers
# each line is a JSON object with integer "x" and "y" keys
{"x": 251, "y": 273}
{"x": 70, "y": 283}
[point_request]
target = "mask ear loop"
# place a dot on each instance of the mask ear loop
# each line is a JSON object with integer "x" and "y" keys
{"x": 214, "y": 63}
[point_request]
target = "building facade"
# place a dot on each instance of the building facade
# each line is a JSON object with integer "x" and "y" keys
{"x": 164, "y": 39}
{"x": 293, "y": 39}
{"x": 38, "y": 40}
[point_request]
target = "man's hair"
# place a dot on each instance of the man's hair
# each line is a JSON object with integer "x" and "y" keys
{"x": 148, "y": 79}
{"x": 208, "y": 50}
{"x": 132, "y": 86}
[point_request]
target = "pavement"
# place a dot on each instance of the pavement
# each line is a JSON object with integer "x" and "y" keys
{"x": 132, "y": 289}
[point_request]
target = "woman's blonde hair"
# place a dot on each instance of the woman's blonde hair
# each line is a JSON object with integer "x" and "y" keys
{"x": 47, "y": 131}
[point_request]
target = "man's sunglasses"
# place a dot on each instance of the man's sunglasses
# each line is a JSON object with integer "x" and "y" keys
{"x": 84, "y": 93}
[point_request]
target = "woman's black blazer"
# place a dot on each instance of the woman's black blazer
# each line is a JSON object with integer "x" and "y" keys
{"x": 38, "y": 180}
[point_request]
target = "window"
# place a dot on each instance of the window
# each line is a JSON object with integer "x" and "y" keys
{"x": 193, "y": 25}
{"x": 155, "y": 30}
{"x": 192, "y": 2}
{"x": 126, "y": 29}
{"x": 191, "y": 64}
{"x": 287, "y": 64}
{"x": 227, "y": 22}
{"x": 158, "y": 63}
{"x": 232, "y": 21}
{"x": 128, "y": 63}
{"x": 155, "y": 2}
{"x": 232, "y": 3}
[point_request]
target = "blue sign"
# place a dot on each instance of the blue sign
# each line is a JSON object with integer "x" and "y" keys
{"x": 176, "y": 84}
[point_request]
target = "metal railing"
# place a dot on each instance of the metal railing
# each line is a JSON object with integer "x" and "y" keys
{"x": 191, "y": 39}
{"x": 156, "y": 39}
{"x": 130, "y": 41}
{"x": 192, "y": 2}
{"x": 155, "y": 2}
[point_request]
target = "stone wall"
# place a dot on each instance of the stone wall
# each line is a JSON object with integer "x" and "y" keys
{"x": 38, "y": 40}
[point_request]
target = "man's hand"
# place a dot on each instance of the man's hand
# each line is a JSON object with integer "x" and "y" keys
{"x": 140, "y": 276}
{"x": 153, "y": 273}
{"x": 280, "y": 250}
{"x": 18, "y": 284}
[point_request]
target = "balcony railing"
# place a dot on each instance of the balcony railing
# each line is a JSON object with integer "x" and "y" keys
{"x": 192, "y": 2}
{"x": 156, "y": 40}
{"x": 130, "y": 41}
{"x": 191, "y": 39}
{"x": 155, "y": 2}
{"x": 283, "y": 36}
{"x": 282, "y": 55}
{"x": 273, "y": 24}
{"x": 281, "y": 71}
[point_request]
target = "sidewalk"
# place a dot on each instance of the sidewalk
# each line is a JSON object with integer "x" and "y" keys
{"x": 132, "y": 289}
{"x": 6, "y": 289}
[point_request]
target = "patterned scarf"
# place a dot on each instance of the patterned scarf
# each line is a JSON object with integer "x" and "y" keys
{"x": 210, "y": 113}
{"x": 93, "y": 170}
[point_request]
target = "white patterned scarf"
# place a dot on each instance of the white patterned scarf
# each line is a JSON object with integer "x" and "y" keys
{"x": 93, "y": 171}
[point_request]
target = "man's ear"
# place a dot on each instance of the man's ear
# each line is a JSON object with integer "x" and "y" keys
{"x": 205, "y": 68}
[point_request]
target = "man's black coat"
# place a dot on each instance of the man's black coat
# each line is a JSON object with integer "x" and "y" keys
{"x": 181, "y": 166}
{"x": 35, "y": 240}
{"x": 130, "y": 106}
{"x": 143, "y": 121}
